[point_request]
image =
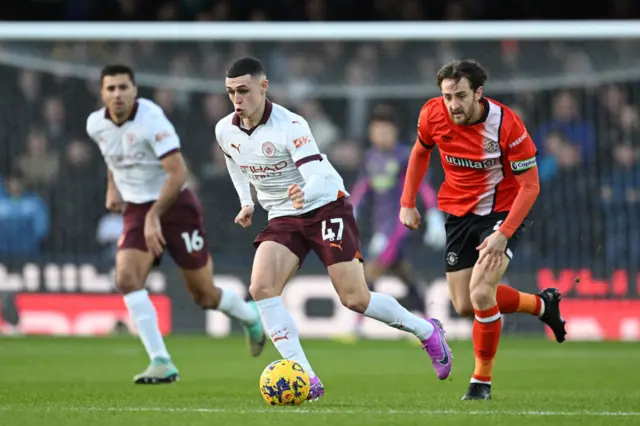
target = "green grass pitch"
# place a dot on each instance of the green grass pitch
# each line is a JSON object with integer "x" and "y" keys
{"x": 86, "y": 381}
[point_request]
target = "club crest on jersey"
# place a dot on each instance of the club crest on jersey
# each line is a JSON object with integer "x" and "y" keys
{"x": 452, "y": 258}
{"x": 268, "y": 149}
{"x": 490, "y": 146}
{"x": 130, "y": 137}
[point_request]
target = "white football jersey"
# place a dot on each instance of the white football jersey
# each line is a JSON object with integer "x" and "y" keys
{"x": 270, "y": 154}
{"x": 134, "y": 149}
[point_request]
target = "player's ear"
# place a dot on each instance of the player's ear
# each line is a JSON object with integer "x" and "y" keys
{"x": 135, "y": 91}
{"x": 479, "y": 93}
{"x": 264, "y": 85}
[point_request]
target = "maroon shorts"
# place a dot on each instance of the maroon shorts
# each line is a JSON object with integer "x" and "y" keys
{"x": 331, "y": 231}
{"x": 182, "y": 228}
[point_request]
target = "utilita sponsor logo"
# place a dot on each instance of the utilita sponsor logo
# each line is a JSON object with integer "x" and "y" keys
{"x": 472, "y": 164}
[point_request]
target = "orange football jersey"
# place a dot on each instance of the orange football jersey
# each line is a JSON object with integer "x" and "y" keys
{"x": 479, "y": 160}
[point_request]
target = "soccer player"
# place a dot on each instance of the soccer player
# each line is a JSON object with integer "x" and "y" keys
{"x": 273, "y": 149}
{"x": 147, "y": 181}
{"x": 383, "y": 177}
{"x": 491, "y": 183}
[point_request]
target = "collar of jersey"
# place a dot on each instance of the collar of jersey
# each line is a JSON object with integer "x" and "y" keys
{"x": 482, "y": 119}
{"x": 265, "y": 117}
{"x": 131, "y": 117}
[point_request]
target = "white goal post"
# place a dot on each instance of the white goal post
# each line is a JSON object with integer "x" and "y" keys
{"x": 314, "y": 31}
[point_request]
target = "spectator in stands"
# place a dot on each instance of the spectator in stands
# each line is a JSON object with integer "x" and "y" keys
{"x": 54, "y": 115}
{"x": 40, "y": 164}
{"x": 621, "y": 204}
{"x": 576, "y": 130}
{"x": 558, "y": 153}
{"x": 324, "y": 131}
{"x": 24, "y": 220}
{"x": 214, "y": 108}
{"x": 77, "y": 199}
{"x": 565, "y": 181}
{"x": 29, "y": 85}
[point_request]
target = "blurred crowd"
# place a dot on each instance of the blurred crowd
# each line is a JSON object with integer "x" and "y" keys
{"x": 52, "y": 177}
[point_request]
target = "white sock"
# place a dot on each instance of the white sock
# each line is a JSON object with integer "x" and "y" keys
{"x": 386, "y": 309}
{"x": 283, "y": 331}
{"x": 541, "y": 307}
{"x": 233, "y": 305}
{"x": 145, "y": 318}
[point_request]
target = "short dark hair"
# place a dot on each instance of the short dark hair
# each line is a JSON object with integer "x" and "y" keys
{"x": 244, "y": 66}
{"x": 468, "y": 68}
{"x": 385, "y": 114}
{"x": 116, "y": 69}
{"x": 15, "y": 174}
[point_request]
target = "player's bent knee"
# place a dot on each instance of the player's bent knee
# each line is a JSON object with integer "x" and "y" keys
{"x": 127, "y": 281}
{"x": 206, "y": 299}
{"x": 201, "y": 287}
{"x": 463, "y": 305}
{"x": 483, "y": 296}
{"x": 356, "y": 301}
{"x": 261, "y": 291}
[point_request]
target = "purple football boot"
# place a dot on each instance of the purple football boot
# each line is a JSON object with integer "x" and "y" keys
{"x": 316, "y": 390}
{"x": 438, "y": 349}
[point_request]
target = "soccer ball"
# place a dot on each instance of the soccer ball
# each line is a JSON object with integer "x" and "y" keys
{"x": 284, "y": 382}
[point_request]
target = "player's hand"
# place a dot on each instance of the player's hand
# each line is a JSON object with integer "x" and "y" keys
{"x": 492, "y": 250}
{"x": 244, "y": 217}
{"x": 153, "y": 234}
{"x": 113, "y": 202}
{"x": 410, "y": 217}
{"x": 296, "y": 195}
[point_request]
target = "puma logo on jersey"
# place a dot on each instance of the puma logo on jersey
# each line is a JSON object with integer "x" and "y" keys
{"x": 339, "y": 245}
{"x": 237, "y": 147}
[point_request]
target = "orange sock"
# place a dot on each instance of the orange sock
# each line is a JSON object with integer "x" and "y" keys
{"x": 487, "y": 327}
{"x": 511, "y": 300}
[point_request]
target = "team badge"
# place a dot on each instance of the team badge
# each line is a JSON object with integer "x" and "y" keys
{"x": 130, "y": 137}
{"x": 268, "y": 149}
{"x": 490, "y": 146}
{"x": 452, "y": 258}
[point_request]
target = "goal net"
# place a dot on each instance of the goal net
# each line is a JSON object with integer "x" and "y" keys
{"x": 578, "y": 97}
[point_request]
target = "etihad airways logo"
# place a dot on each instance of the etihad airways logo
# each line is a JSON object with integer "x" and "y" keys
{"x": 264, "y": 171}
{"x": 472, "y": 164}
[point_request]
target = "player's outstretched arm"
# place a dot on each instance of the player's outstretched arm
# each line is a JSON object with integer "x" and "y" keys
{"x": 529, "y": 182}
{"x": 416, "y": 170}
{"x": 240, "y": 182}
{"x": 243, "y": 188}
{"x": 177, "y": 176}
{"x": 521, "y": 153}
{"x": 317, "y": 173}
{"x": 113, "y": 202}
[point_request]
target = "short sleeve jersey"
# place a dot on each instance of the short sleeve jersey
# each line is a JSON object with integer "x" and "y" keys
{"x": 481, "y": 160}
{"x": 134, "y": 149}
{"x": 270, "y": 154}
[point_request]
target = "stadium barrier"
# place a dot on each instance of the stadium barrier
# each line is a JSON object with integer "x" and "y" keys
{"x": 79, "y": 300}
